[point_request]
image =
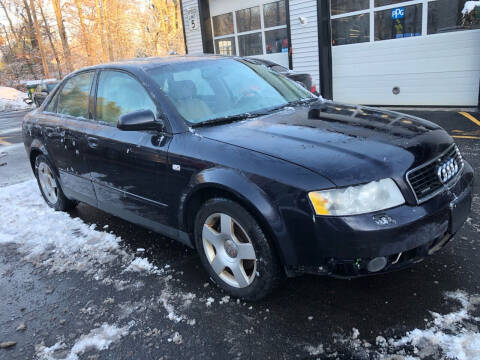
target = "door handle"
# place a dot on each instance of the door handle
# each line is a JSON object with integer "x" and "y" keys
{"x": 92, "y": 142}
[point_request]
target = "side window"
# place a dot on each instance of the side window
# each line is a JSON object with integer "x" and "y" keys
{"x": 73, "y": 99}
{"x": 119, "y": 93}
{"x": 51, "y": 105}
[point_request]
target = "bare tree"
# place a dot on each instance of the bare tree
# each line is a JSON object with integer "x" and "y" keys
{"x": 50, "y": 39}
{"x": 63, "y": 35}
{"x": 84, "y": 31}
{"x": 39, "y": 40}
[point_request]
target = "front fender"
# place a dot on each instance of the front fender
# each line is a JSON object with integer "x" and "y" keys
{"x": 250, "y": 195}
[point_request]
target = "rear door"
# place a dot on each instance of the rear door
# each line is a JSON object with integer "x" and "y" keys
{"x": 64, "y": 121}
{"x": 128, "y": 168}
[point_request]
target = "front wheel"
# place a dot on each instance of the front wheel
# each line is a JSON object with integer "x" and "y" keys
{"x": 49, "y": 186}
{"x": 235, "y": 251}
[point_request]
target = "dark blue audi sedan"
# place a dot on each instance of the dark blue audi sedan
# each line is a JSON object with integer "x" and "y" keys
{"x": 263, "y": 178}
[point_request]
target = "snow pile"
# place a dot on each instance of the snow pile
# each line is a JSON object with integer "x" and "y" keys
{"x": 12, "y": 99}
{"x": 455, "y": 335}
{"x": 142, "y": 265}
{"x": 99, "y": 339}
{"x": 469, "y": 7}
{"x": 53, "y": 238}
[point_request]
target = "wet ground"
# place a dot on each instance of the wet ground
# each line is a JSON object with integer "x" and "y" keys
{"x": 308, "y": 317}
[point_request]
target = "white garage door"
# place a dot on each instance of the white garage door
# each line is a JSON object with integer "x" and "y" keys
{"x": 250, "y": 28}
{"x": 391, "y": 52}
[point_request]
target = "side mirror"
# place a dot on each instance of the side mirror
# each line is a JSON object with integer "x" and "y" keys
{"x": 139, "y": 120}
{"x": 28, "y": 101}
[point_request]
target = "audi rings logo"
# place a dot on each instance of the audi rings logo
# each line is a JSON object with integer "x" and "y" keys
{"x": 447, "y": 170}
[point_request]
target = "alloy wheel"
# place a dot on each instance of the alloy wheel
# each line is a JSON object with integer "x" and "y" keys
{"x": 48, "y": 182}
{"x": 229, "y": 250}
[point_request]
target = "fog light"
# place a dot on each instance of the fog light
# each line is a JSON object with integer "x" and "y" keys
{"x": 377, "y": 264}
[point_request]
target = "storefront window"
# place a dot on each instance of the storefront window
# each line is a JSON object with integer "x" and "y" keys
{"x": 446, "y": 15}
{"x": 274, "y": 14}
{"x": 248, "y": 19}
{"x": 225, "y": 46}
{"x": 399, "y": 22}
{"x": 351, "y": 29}
{"x": 223, "y": 24}
{"x": 344, "y": 6}
{"x": 276, "y": 41}
{"x": 387, "y": 2}
{"x": 250, "y": 44}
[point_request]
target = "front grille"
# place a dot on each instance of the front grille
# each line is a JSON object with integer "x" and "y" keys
{"x": 424, "y": 180}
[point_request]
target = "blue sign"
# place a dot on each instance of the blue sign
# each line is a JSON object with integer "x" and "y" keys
{"x": 398, "y": 13}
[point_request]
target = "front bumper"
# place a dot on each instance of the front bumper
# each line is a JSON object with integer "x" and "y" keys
{"x": 403, "y": 235}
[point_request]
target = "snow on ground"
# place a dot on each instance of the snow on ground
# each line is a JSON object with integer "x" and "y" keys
{"x": 62, "y": 243}
{"x": 12, "y": 99}
{"x": 454, "y": 336}
{"x": 142, "y": 265}
{"x": 469, "y": 7}
{"x": 99, "y": 339}
{"x": 53, "y": 238}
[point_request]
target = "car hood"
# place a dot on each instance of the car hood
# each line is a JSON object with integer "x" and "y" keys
{"x": 347, "y": 144}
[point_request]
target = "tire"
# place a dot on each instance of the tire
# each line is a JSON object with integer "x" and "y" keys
{"x": 50, "y": 186}
{"x": 223, "y": 252}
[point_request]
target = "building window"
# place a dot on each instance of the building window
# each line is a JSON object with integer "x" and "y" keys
{"x": 257, "y": 30}
{"x": 345, "y": 6}
{"x": 276, "y": 41}
{"x": 398, "y": 23}
{"x": 446, "y": 15}
{"x": 248, "y": 19}
{"x": 223, "y": 24}
{"x": 250, "y": 44}
{"x": 387, "y": 2}
{"x": 351, "y": 29}
{"x": 274, "y": 14}
{"x": 225, "y": 46}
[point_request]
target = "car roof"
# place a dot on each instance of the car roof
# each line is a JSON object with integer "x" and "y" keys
{"x": 153, "y": 62}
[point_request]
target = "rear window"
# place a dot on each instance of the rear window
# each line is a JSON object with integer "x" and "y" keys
{"x": 74, "y": 96}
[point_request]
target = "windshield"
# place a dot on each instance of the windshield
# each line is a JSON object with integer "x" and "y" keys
{"x": 216, "y": 89}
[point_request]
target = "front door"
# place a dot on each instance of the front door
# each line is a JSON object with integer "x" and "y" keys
{"x": 127, "y": 168}
{"x": 64, "y": 119}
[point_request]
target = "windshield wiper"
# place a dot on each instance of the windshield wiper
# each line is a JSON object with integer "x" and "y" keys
{"x": 227, "y": 119}
{"x": 302, "y": 101}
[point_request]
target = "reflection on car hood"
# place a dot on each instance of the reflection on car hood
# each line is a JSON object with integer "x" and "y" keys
{"x": 347, "y": 144}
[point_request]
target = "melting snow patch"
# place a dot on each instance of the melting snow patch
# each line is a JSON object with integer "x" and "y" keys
{"x": 53, "y": 238}
{"x": 12, "y": 99}
{"x": 469, "y": 7}
{"x": 315, "y": 350}
{"x": 453, "y": 336}
{"x": 99, "y": 339}
{"x": 142, "y": 265}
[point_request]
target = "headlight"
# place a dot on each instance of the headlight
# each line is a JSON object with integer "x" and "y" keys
{"x": 360, "y": 199}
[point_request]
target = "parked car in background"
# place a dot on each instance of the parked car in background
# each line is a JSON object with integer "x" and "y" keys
{"x": 302, "y": 78}
{"x": 259, "y": 175}
{"x": 42, "y": 90}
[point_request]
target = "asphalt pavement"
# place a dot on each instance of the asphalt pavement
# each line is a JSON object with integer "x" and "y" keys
{"x": 309, "y": 317}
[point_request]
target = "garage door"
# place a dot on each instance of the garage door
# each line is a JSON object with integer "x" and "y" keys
{"x": 390, "y": 52}
{"x": 250, "y": 28}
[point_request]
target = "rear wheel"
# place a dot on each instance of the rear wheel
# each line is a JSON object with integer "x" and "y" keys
{"x": 49, "y": 186}
{"x": 235, "y": 251}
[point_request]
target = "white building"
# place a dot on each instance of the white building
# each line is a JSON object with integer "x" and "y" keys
{"x": 377, "y": 52}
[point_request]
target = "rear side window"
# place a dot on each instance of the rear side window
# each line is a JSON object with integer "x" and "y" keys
{"x": 51, "y": 105}
{"x": 119, "y": 93}
{"x": 74, "y": 96}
